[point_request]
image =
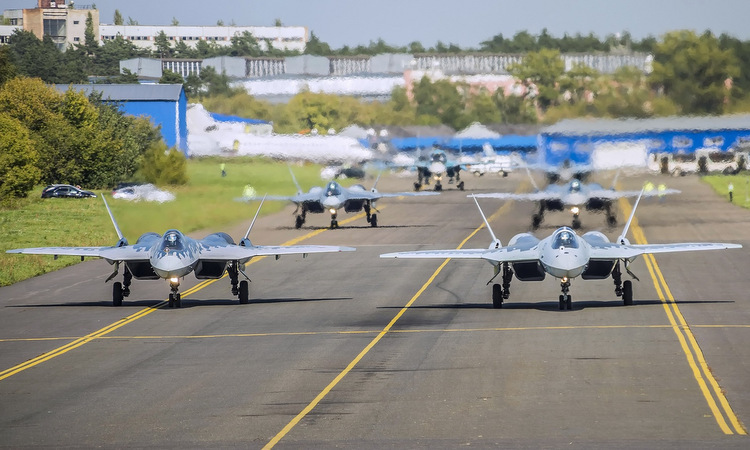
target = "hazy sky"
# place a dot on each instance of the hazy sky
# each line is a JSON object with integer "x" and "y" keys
{"x": 462, "y": 22}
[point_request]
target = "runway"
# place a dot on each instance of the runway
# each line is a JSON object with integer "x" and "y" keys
{"x": 350, "y": 350}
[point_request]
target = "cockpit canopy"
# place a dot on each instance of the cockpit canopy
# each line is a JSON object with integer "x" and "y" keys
{"x": 333, "y": 189}
{"x": 575, "y": 186}
{"x": 172, "y": 241}
{"x": 564, "y": 238}
{"x": 439, "y": 156}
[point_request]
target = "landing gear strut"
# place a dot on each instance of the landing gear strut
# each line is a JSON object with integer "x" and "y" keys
{"x": 334, "y": 222}
{"x": 611, "y": 219}
{"x": 566, "y": 301}
{"x": 174, "y": 297}
{"x": 120, "y": 290}
{"x": 622, "y": 289}
{"x": 501, "y": 293}
{"x": 372, "y": 219}
{"x": 537, "y": 218}
{"x": 239, "y": 288}
{"x": 300, "y": 219}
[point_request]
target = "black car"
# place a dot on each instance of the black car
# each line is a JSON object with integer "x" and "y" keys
{"x": 65, "y": 191}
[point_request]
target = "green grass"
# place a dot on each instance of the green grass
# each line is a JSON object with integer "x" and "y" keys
{"x": 741, "y": 183}
{"x": 206, "y": 202}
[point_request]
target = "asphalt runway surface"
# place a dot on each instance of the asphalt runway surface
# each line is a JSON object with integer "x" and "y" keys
{"x": 351, "y": 350}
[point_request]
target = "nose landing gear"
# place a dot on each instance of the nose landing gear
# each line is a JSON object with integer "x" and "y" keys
{"x": 175, "y": 301}
{"x": 566, "y": 301}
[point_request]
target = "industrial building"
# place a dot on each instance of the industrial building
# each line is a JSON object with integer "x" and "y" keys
{"x": 667, "y": 144}
{"x": 164, "y": 104}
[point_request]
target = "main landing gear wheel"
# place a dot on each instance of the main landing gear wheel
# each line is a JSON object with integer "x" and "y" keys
{"x": 417, "y": 186}
{"x": 627, "y": 293}
{"x": 244, "y": 294}
{"x": 298, "y": 222}
{"x": 117, "y": 294}
{"x": 175, "y": 301}
{"x": 497, "y": 296}
{"x": 374, "y": 220}
{"x": 536, "y": 219}
{"x": 460, "y": 186}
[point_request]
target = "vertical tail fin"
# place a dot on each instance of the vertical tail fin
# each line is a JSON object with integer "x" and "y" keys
{"x": 376, "y": 181}
{"x": 622, "y": 239}
{"x": 294, "y": 179}
{"x": 495, "y": 241}
{"x": 256, "y": 216}
{"x": 123, "y": 241}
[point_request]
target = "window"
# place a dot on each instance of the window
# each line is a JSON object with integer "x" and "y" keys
{"x": 76, "y": 39}
{"x": 76, "y": 22}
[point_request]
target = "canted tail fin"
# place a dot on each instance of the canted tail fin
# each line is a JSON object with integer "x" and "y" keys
{"x": 122, "y": 241}
{"x": 294, "y": 179}
{"x": 495, "y": 241}
{"x": 622, "y": 239}
{"x": 254, "y": 218}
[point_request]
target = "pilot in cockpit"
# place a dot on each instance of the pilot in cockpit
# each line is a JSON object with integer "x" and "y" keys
{"x": 333, "y": 189}
{"x": 565, "y": 239}
{"x": 575, "y": 185}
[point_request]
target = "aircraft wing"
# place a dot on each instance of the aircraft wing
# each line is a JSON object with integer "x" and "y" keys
{"x": 240, "y": 253}
{"x": 503, "y": 254}
{"x": 612, "y": 194}
{"x": 530, "y": 196}
{"x": 124, "y": 253}
{"x": 617, "y": 251}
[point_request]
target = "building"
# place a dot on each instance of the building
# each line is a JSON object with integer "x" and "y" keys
{"x": 660, "y": 144}
{"x": 143, "y": 36}
{"x": 64, "y": 23}
{"x": 164, "y": 104}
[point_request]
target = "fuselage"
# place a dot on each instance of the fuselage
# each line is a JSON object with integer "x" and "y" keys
{"x": 174, "y": 256}
{"x": 564, "y": 254}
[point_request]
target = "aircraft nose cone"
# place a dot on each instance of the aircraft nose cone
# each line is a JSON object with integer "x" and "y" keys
{"x": 331, "y": 202}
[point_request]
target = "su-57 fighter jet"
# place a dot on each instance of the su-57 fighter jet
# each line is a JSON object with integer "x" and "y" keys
{"x": 563, "y": 255}
{"x": 575, "y": 196}
{"x": 333, "y": 197}
{"x": 173, "y": 255}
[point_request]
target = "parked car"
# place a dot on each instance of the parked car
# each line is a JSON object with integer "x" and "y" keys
{"x": 65, "y": 191}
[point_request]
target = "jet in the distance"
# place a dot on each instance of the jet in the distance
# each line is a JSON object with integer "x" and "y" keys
{"x": 574, "y": 196}
{"x": 332, "y": 197}
{"x": 563, "y": 255}
{"x": 173, "y": 255}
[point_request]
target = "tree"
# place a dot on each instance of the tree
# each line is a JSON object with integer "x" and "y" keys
{"x": 132, "y": 21}
{"x": 540, "y": 71}
{"x": 245, "y": 44}
{"x": 90, "y": 42}
{"x": 18, "y": 160}
{"x": 169, "y": 77}
{"x": 316, "y": 47}
{"x": 118, "y": 18}
{"x": 163, "y": 47}
{"x": 693, "y": 71}
{"x": 7, "y": 68}
{"x": 161, "y": 165}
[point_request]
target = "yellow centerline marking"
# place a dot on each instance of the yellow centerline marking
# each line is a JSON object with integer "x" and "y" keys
{"x": 685, "y": 336}
{"x": 284, "y": 431}
{"x": 140, "y": 314}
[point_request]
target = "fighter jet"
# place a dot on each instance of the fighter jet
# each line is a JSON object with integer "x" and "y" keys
{"x": 574, "y": 196}
{"x": 563, "y": 255}
{"x": 173, "y": 255}
{"x": 333, "y": 197}
{"x": 435, "y": 165}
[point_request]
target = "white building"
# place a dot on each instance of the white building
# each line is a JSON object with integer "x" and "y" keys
{"x": 282, "y": 38}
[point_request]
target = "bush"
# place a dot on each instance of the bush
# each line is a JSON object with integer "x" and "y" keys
{"x": 161, "y": 165}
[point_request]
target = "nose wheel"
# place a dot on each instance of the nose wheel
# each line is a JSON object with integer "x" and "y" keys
{"x": 175, "y": 301}
{"x": 334, "y": 222}
{"x": 566, "y": 301}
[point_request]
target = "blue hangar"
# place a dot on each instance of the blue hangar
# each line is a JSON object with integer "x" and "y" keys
{"x": 164, "y": 104}
{"x": 637, "y": 142}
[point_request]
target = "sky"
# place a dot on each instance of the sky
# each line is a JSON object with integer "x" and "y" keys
{"x": 465, "y": 23}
